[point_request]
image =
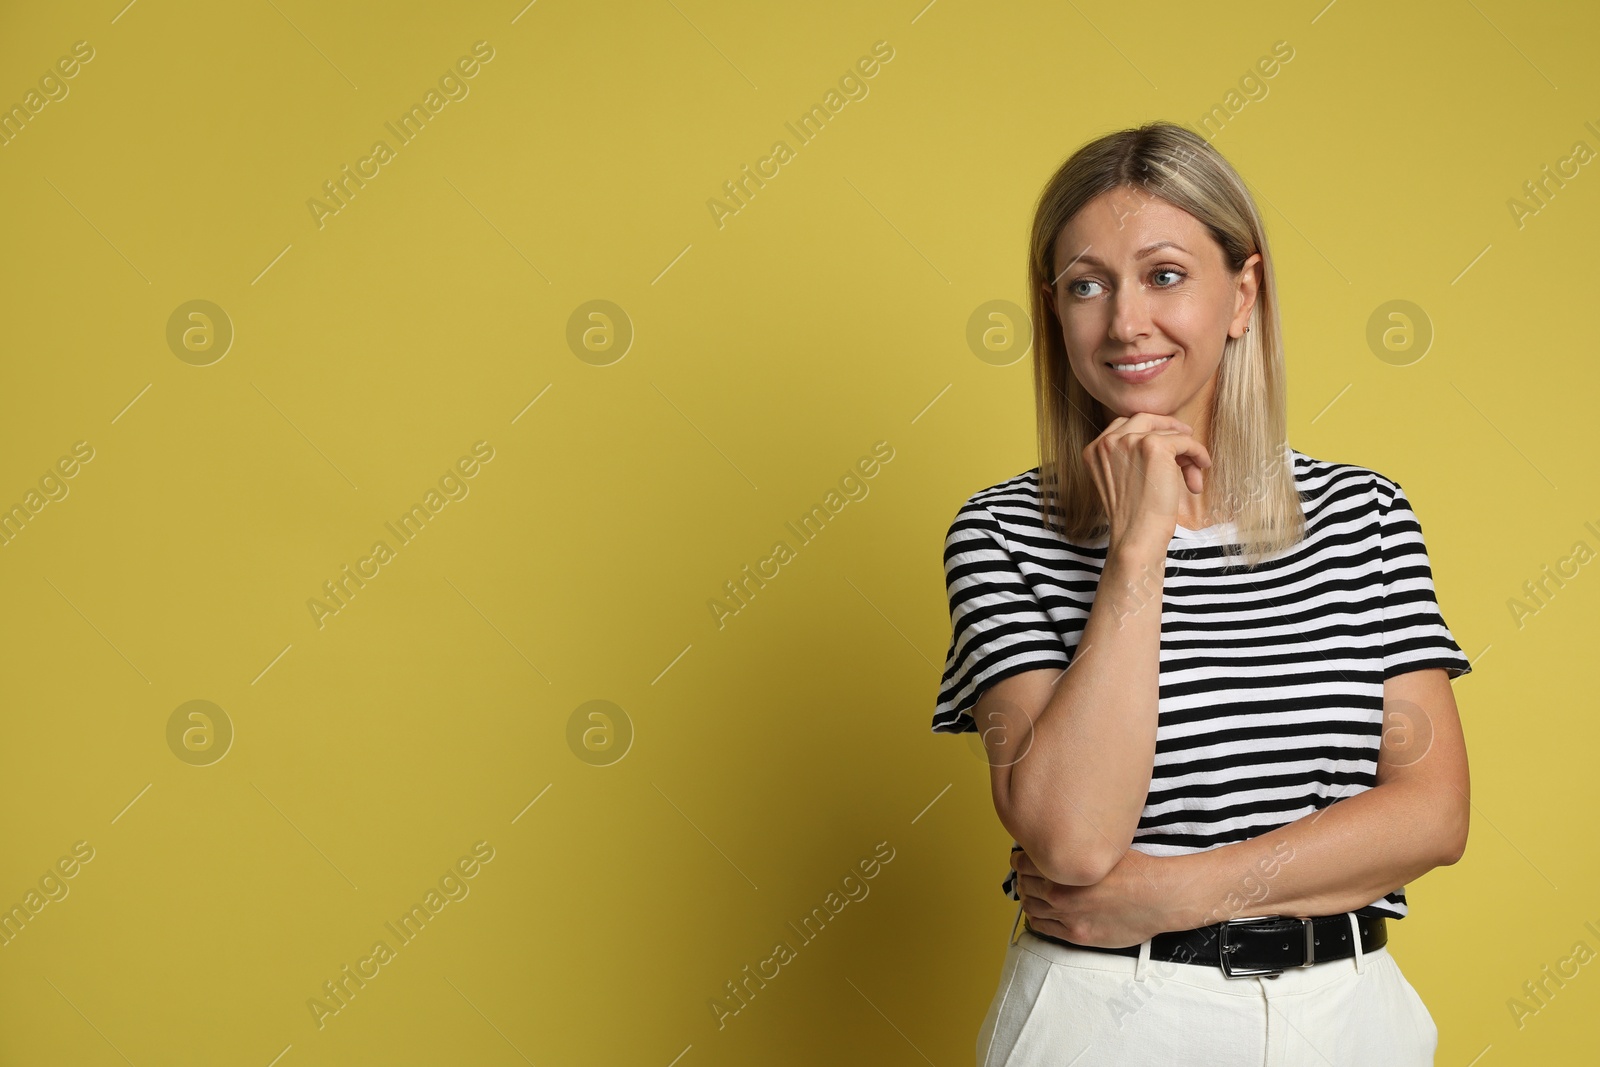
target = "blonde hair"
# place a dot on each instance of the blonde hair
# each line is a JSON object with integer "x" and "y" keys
{"x": 1251, "y": 480}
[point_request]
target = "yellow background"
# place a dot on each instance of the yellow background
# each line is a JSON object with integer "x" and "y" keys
{"x": 770, "y": 755}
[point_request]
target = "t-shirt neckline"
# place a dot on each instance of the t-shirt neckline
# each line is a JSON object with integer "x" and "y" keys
{"x": 1226, "y": 533}
{"x": 1215, "y": 534}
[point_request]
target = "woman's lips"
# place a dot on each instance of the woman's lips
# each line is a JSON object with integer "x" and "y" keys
{"x": 1139, "y": 375}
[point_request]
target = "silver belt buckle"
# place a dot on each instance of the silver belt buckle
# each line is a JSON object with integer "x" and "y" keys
{"x": 1226, "y": 949}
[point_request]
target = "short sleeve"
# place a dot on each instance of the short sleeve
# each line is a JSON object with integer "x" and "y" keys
{"x": 1415, "y": 636}
{"x": 997, "y": 625}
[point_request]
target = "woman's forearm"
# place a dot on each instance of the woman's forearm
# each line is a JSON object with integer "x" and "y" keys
{"x": 1338, "y": 859}
{"x": 1082, "y": 784}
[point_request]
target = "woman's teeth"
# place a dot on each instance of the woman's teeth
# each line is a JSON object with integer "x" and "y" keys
{"x": 1141, "y": 366}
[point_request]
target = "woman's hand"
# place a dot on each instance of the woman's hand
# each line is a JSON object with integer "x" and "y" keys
{"x": 1143, "y": 465}
{"x": 1137, "y": 900}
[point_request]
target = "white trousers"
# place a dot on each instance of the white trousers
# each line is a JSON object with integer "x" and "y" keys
{"x": 1059, "y": 1006}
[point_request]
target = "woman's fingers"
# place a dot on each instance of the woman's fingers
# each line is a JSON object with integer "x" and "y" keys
{"x": 1132, "y": 464}
{"x": 1029, "y": 874}
{"x": 1193, "y": 459}
{"x": 1141, "y": 421}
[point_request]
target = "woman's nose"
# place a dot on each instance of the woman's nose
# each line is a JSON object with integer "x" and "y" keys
{"x": 1130, "y": 314}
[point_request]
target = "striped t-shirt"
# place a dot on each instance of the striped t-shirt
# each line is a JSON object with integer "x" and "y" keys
{"x": 1271, "y": 682}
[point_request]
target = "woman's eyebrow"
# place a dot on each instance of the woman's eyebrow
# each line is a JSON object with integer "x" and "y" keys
{"x": 1145, "y": 251}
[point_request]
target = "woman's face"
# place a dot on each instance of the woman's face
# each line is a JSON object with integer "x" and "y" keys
{"x": 1138, "y": 279}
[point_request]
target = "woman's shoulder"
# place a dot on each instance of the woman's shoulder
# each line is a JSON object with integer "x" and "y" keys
{"x": 1011, "y": 511}
{"x": 1004, "y": 503}
{"x": 1316, "y": 478}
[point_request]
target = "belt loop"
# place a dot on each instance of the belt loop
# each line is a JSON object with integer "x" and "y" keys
{"x": 1143, "y": 965}
{"x": 1016, "y": 925}
{"x": 1355, "y": 932}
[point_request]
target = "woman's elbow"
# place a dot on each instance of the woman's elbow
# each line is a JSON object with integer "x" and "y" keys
{"x": 1065, "y": 854}
{"x": 1063, "y": 862}
{"x": 1077, "y": 865}
{"x": 1453, "y": 841}
{"x": 1451, "y": 835}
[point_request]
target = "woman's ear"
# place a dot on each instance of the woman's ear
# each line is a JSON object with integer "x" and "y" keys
{"x": 1249, "y": 290}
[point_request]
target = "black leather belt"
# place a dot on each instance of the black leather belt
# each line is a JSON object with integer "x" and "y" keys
{"x": 1262, "y": 946}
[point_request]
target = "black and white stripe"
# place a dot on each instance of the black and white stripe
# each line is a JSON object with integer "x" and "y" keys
{"x": 1271, "y": 685}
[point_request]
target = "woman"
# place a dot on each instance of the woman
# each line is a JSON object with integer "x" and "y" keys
{"x": 1209, "y": 671}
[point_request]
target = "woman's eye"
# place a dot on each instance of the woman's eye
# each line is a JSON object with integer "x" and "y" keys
{"x": 1177, "y": 276}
